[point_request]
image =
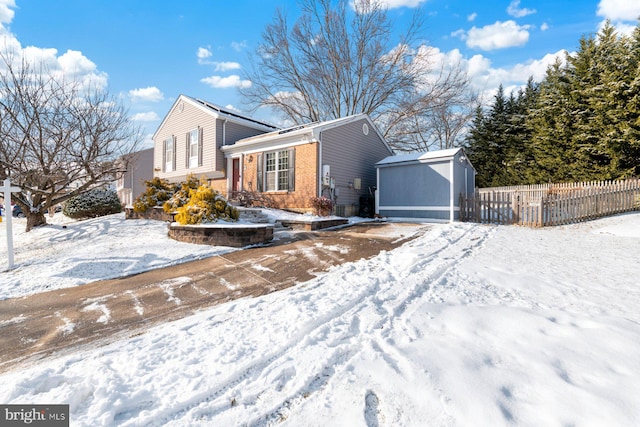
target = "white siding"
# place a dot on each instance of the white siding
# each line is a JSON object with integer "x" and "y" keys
{"x": 178, "y": 123}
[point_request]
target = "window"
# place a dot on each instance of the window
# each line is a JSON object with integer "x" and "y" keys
{"x": 169, "y": 154}
{"x": 193, "y": 149}
{"x": 278, "y": 171}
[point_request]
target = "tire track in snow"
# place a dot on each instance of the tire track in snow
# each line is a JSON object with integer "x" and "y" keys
{"x": 252, "y": 371}
{"x": 376, "y": 305}
{"x": 371, "y": 303}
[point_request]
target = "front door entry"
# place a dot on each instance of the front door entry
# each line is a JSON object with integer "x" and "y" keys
{"x": 235, "y": 175}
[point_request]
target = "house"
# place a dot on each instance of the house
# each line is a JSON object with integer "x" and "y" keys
{"x": 139, "y": 169}
{"x": 190, "y": 138}
{"x": 334, "y": 159}
{"x": 424, "y": 185}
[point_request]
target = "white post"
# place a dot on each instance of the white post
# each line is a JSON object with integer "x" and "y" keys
{"x": 7, "y": 189}
{"x": 451, "y": 192}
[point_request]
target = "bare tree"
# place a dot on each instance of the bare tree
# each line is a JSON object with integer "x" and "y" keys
{"x": 335, "y": 62}
{"x": 438, "y": 117}
{"x": 58, "y": 137}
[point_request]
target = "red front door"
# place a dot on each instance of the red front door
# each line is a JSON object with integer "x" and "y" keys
{"x": 235, "y": 175}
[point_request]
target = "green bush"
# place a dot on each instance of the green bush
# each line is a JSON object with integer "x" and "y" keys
{"x": 204, "y": 204}
{"x": 158, "y": 191}
{"x": 92, "y": 204}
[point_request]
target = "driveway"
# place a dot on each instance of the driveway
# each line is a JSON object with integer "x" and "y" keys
{"x": 98, "y": 313}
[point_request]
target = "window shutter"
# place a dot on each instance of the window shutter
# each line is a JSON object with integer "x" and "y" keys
{"x": 259, "y": 177}
{"x": 188, "y": 151}
{"x": 200, "y": 144}
{"x": 292, "y": 169}
{"x": 173, "y": 163}
{"x": 164, "y": 155}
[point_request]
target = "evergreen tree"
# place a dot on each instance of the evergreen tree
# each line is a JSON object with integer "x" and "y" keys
{"x": 552, "y": 125}
{"x": 485, "y": 143}
{"x": 477, "y": 147}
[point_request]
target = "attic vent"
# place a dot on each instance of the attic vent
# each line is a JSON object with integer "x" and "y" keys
{"x": 365, "y": 129}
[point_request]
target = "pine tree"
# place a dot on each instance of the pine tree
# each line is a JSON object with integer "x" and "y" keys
{"x": 553, "y": 126}
{"x": 486, "y": 143}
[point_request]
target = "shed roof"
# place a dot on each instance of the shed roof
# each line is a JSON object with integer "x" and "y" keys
{"x": 421, "y": 157}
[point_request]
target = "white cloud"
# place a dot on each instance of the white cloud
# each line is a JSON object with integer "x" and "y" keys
{"x": 74, "y": 62}
{"x": 218, "y": 82}
{"x": 486, "y": 79}
{"x": 499, "y": 35}
{"x": 6, "y": 11}
{"x": 150, "y": 116}
{"x": 483, "y": 77}
{"x": 203, "y": 53}
{"x": 544, "y": 26}
{"x": 70, "y": 65}
{"x": 472, "y": 17}
{"x": 151, "y": 94}
{"x": 514, "y": 10}
{"x": 226, "y": 66}
{"x": 620, "y": 10}
{"x": 622, "y": 28}
{"x": 393, "y": 4}
{"x": 239, "y": 46}
{"x": 232, "y": 108}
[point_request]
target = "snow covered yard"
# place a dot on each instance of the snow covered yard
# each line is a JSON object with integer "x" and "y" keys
{"x": 466, "y": 325}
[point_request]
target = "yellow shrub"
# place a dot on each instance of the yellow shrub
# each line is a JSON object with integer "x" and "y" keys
{"x": 204, "y": 204}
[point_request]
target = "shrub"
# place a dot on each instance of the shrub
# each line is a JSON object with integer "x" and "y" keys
{"x": 204, "y": 204}
{"x": 252, "y": 199}
{"x": 158, "y": 191}
{"x": 92, "y": 204}
{"x": 182, "y": 194}
{"x": 321, "y": 205}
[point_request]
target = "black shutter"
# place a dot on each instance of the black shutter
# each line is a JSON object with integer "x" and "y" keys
{"x": 173, "y": 163}
{"x": 164, "y": 155}
{"x": 292, "y": 169}
{"x": 188, "y": 151}
{"x": 200, "y": 144}
{"x": 259, "y": 177}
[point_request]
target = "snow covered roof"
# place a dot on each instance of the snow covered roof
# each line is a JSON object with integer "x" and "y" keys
{"x": 421, "y": 157}
{"x": 309, "y": 132}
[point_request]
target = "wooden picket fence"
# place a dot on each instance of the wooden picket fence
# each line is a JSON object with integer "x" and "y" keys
{"x": 550, "y": 204}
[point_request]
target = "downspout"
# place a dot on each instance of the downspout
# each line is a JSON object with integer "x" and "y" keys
{"x": 131, "y": 193}
{"x": 377, "y": 193}
{"x": 319, "y": 169}
{"x": 466, "y": 183}
{"x": 224, "y": 132}
{"x": 451, "y": 191}
{"x": 228, "y": 162}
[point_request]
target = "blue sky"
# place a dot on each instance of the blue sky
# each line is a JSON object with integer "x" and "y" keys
{"x": 150, "y": 51}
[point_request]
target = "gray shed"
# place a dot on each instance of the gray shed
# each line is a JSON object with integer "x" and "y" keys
{"x": 424, "y": 185}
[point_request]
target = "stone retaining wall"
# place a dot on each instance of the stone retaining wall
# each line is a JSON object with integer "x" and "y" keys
{"x": 236, "y": 236}
{"x": 155, "y": 213}
{"x": 317, "y": 224}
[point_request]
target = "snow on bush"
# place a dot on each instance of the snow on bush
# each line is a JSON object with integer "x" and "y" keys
{"x": 181, "y": 196}
{"x": 205, "y": 205}
{"x": 158, "y": 191}
{"x": 93, "y": 203}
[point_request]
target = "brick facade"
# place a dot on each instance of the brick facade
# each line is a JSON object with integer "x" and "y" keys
{"x": 220, "y": 185}
{"x": 306, "y": 179}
